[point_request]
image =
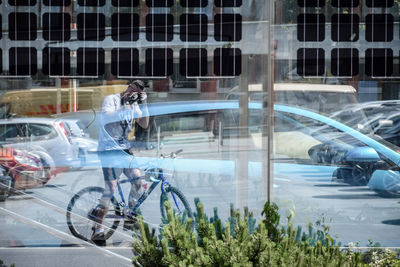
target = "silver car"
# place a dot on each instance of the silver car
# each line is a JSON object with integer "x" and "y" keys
{"x": 86, "y": 147}
{"x": 46, "y": 137}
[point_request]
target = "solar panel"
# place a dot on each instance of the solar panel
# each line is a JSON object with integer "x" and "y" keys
{"x": 310, "y": 61}
{"x": 193, "y": 62}
{"x": 159, "y": 3}
{"x": 379, "y": 62}
{"x": 227, "y": 62}
{"x": 228, "y": 27}
{"x": 57, "y": 2}
{"x": 228, "y": 3}
{"x": 125, "y": 62}
{"x": 56, "y": 26}
{"x": 23, "y": 61}
{"x": 379, "y": 27}
{"x": 90, "y": 61}
{"x": 125, "y": 27}
{"x": 159, "y": 61}
{"x": 56, "y": 61}
{"x": 345, "y": 3}
{"x": 22, "y": 2}
{"x": 345, "y": 27}
{"x": 91, "y": 2}
{"x": 159, "y": 27}
{"x": 22, "y": 26}
{"x": 91, "y": 26}
{"x": 194, "y": 3}
{"x": 125, "y": 3}
{"x": 344, "y": 62}
{"x": 193, "y": 28}
{"x": 311, "y": 27}
{"x": 311, "y": 3}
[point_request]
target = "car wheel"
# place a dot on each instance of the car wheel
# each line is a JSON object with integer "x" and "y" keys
{"x": 5, "y": 187}
{"x": 360, "y": 176}
{"x": 343, "y": 174}
{"x": 46, "y": 174}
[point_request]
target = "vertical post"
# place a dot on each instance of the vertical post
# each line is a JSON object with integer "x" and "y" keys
{"x": 72, "y": 105}
{"x": 158, "y": 140}
{"x": 58, "y": 97}
{"x": 242, "y": 162}
{"x": 220, "y": 141}
{"x": 268, "y": 105}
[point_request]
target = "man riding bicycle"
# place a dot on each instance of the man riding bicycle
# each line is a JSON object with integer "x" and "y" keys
{"x": 120, "y": 113}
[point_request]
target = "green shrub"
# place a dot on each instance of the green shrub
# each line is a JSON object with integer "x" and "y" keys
{"x": 234, "y": 244}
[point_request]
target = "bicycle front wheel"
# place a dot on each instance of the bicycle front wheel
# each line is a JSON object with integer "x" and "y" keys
{"x": 179, "y": 204}
{"x": 81, "y": 206}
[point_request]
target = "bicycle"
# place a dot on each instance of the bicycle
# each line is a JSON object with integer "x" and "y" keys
{"x": 83, "y": 204}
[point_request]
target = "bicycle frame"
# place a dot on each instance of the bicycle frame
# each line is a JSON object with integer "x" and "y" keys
{"x": 145, "y": 195}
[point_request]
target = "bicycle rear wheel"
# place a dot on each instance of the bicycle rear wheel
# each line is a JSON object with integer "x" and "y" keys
{"x": 82, "y": 205}
{"x": 178, "y": 202}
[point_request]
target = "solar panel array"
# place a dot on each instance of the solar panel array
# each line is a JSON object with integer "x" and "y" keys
{"x": 345, "y": 31}
{"x": 59, "y": 46}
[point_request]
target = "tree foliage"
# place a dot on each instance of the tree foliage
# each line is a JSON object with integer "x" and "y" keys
{"x": 207, "y": 242}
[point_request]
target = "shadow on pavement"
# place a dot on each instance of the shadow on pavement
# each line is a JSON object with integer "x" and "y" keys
{"x": 392, "y": 222}
{"x": 331, "y": 185}
{"x": 348, "y": 196}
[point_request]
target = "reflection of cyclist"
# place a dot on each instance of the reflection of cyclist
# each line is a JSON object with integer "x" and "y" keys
{"x": 116, "y": 125}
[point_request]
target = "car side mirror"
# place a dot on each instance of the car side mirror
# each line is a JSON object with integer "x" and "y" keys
{"x": 362, "y": 154}
{"x": 385, "y": 124}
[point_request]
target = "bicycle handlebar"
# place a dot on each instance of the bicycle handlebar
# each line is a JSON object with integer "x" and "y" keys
{"x": 172, "y": 154}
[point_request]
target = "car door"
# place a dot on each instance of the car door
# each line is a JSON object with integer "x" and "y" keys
{"x": 13, "y": 135}
{"x": 307, "y": 149}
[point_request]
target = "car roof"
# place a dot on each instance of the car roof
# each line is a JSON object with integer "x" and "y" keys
{"x": 29, "y": 120}
{"x": 193, "y": 106}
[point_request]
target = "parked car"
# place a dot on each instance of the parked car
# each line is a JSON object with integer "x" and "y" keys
{"x": 380, "y": 118}
{"x": 303, "y": 140}
{"x": 85, "y": 147}
{"x": 5, "y": 184}
{"x": 24, "y": 169}
{"x": 43, "y": 136}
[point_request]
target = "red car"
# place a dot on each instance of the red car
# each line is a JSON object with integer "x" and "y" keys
{"x": 24, "y": 168}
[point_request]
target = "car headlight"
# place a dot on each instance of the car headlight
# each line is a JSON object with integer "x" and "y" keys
{"x": 26, "y": 161}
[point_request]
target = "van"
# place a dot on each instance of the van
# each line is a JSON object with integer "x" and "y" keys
{"x": 323, "y": 98}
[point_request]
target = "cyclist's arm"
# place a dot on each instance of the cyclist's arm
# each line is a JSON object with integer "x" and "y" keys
{"x": 143, "y": 121}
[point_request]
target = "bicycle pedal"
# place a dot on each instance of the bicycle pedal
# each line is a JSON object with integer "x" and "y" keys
{"x": 130, "y": 225}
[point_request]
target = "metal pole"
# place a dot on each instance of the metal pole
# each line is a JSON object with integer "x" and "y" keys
{"x": 242, "y": 159}
{"x": 268, "y": 105}
{"x": 158, "y": 140}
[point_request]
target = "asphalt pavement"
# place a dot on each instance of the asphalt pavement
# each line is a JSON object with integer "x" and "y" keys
{"x": 34, "y": 230}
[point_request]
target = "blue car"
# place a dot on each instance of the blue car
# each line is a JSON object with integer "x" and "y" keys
{"x": 303, "y": 140}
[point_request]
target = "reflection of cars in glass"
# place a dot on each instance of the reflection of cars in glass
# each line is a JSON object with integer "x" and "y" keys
{"x": 41, "y": 136}
{"x": 303, "y": 140}
{"x": 380, "y": 118}
{"x": 79, "y": 136}
{"x": 5, "y": 184}
{"x": 25, "y": 169}
{"x": 312, "y": 139}
{"x": 325, "y": 98}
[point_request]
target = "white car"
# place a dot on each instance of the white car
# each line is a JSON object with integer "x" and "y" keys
{"x": 45, "y": 137}
{"x": 86, "y": 147}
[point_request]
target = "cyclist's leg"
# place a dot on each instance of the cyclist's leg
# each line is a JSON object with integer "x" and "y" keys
{"x": 110, "y": 179}
{"x": 137, "y": 186}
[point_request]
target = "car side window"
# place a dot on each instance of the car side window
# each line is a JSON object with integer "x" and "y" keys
{"x": 41, "y": 132}
{"x": 9, "y": 133}
{"x": 299, "y": 138}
